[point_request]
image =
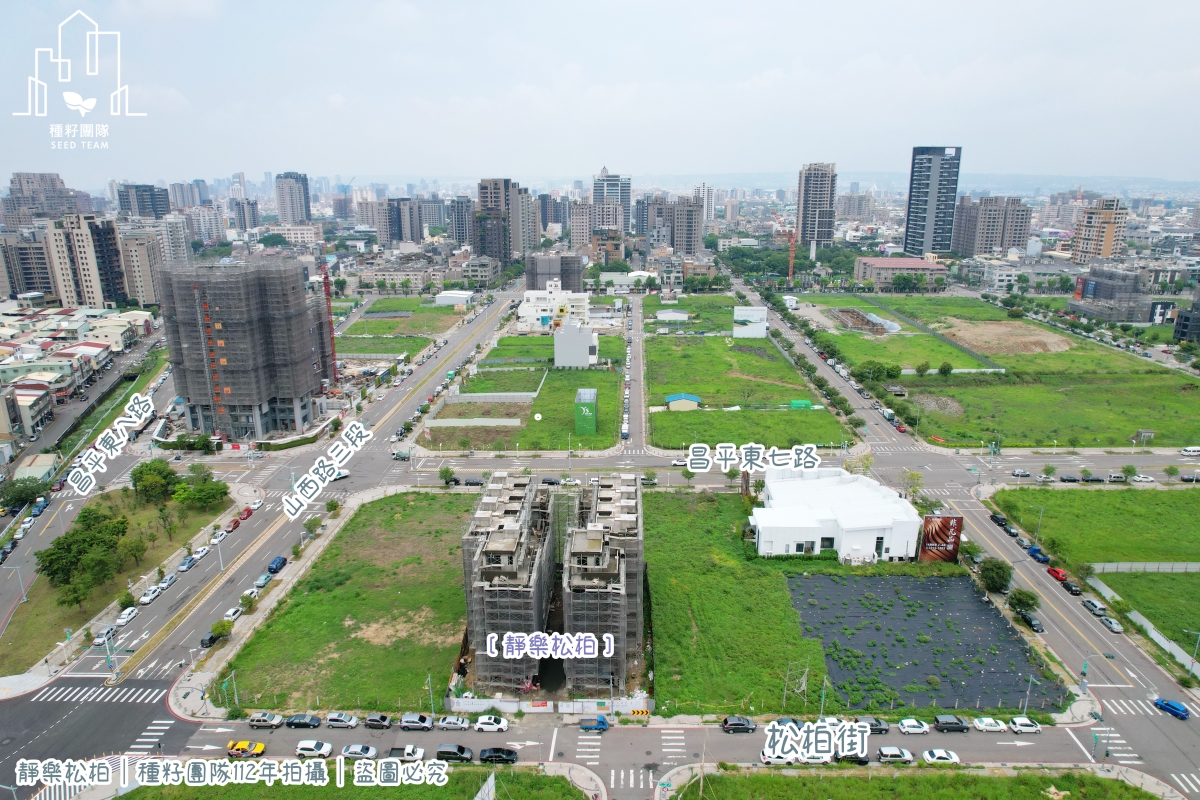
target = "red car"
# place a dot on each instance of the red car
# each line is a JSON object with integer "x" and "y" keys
{"x": 246, "y": 512}
{"x": 1056, "y": 573}
{"x": 232, "y": 525}
{"x": 58, "y": 485}
{"x": 901, "y": 429}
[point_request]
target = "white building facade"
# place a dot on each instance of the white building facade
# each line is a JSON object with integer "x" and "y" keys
{"x": 544, "y": 310}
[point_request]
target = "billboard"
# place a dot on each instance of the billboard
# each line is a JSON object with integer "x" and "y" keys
{"x": 1079, "y": 282}
{"x": 585, "y": 412}
{"x": 749, "y": 322}
{"x": 940, "y": 537}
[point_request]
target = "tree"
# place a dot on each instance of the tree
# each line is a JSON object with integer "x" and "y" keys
{"x": 197, "y": 245}
{"x": 1086, "y": 473}
{"x": 406, "y": 285}
{"x": 335, "y": 424}
{"x": 759, "y": 485}
{"x": 1023, "y": 600}
{"x": 445, "y": 475}
{"x": 393, "y": 285}
{"x": 99, "y": 564}
{"x": 75, "y": 592}
{"x": 1084, "y": 570}
{"x": 946, "y": 369}
{"x": 310, "y": 526}
{"x": 221, "y": 628}
{"x": 687, "y": 475}
{"x": 1171, "y": 471}
{"x": 650, "y": 475}
{"x": 331, "y": 506}
{"x": 381, "y": 285}
{"x": 23, "y": 491}
{"x": 126, "y": 601}
{"x": 199, "y": 473}
{"x": 131, "y": 547}
{"x": 1129, "y": 470}
{"x": 733, "y": 474}
{"x": 273, "y": 240}
{"x": 339, "y": 285}
{"x": 1049, "y": 470}
{"x": 968, "y": 549}
{"x": 247, "y": 603}
{"x": 922, "y": 368}
{"x": 153, "y": 480}
{"x": 1016, "y": 312}
{"x": 995, "y": 574}
{"x": 464, "y": 443}
{"x": 912, "y": 481}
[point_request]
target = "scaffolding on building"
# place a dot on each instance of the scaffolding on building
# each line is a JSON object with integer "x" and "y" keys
{"x": 595, "y": 601}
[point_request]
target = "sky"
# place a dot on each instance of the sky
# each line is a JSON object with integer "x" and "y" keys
{"x": 539, "y": 92}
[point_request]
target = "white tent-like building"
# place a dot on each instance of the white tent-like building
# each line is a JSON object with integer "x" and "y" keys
{"x": 810, "y": 511}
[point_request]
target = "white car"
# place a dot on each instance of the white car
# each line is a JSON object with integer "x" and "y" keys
{"x": 219, "y": 536}
{"x": 232, "y": 614}
{"x": 256, "y": 505}
{"x": 454, "y": 724}
{"x": 572, "y": 482}
{"x": 200, "y": 552}
{"x": 940, "y": 757}
{"x": 1142, "y": 479}
{"x": 679, "y": 462}
{"x": 252, "y": 592}
{"x": 127, "y": 616}
{"x": 340, "y": 719}
{"x": 356, "y": 752}
{"x": 888, "y": 755}
{"x": 1024, "y": 725}
{"x": 149, "y": 595}
{"x": 910, "y": 725}
{"x": 489, "y": 723}
{"x": 798, "y": 758}
{"x": 989, "y": 725}
{"x": 412, "y": 753}
{"x": 311, "y": 748}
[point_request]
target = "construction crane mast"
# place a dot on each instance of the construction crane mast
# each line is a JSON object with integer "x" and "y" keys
{"x": 329, "y": 316}
{"x": 791, "y": 237}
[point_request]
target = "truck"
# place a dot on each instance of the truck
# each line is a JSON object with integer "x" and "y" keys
{"x": 888, "y": 414}
{"x": 598, "y": 724}
{"x": 39, "y": 506}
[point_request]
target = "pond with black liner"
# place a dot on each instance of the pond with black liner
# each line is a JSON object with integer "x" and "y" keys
{"x": 901, "y": 641}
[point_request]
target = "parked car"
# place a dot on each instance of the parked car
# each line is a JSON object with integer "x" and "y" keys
{"x": 488, "y": 723}
{"x": 1023, "y": 543}
{"x": 127, "y": 616}
{"x": 265, "y": 719}
{"x": 167, "y": 581}
{"x": 738, "y": 725}
{"x": 246, "y": 513}
{"x": 1072, "y": 588}
{"x": 219, "y": 537}
{"x": 303, "y": 721}
{"x": 1091, "y": 479}
{"x": 310, "y": 748}
{"x": 989, "y": 725}
{"x": 187, "y": 563}
{"x": 551, "y": 481}
{"x": 410, "y": 752}
{"x": 1142, "y": 479}
{"x": 1043, "y": 479}
{"x": 1033, "y": 622}
{"x": 377, "y": 721}
{"x": 950, "y": 723}
{"x": 1024, "y": 725}
{"x": 245, "y": 749}
{"x": 340, "y": 719}
{"x": 795, "y": 758}
{"x": 1012, "y": 531}
{"x": 1173, "y": 707}
{"x": 940, "y": 756}
{"x": 999, "y": 519}
{"x": 679, "y": 462}
{"x": 233, "y": 525}
{"x": 414, "y": 721}
{"x": 1095, "y": 608}
{"x": 893, "y": 755}
{"x": 201, "y": 552}
{"x": 454, "y": 752}
{"x": 1109, "y": 623}
{"x": 907, "y": 726}
{"x": 357, "y": 752}
{"x": 276, "y": 564}
{"x": 497, "y": 755}
{"x": 232, "y": 614}
{"x": 473, "y": 482}
{"x": 453, "y": 723}
{"x": 150, "y": 595}
{"x": 1020, "y": 473}
{"x": 1056, "y": 573}
{"x": 878, "y": 727}
{"x": 256, "y": 505}
{"x": 262, "y": 580}
{"x": 1068, "y": 479}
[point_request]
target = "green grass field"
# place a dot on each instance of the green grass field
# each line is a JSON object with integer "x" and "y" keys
{"x": 1102, "y": 410}
{"x": 935, "y": 309}
{"x": 372, "y": 327}
{"x": 38, "y": 625}
{"x": 385, "y": 304}
{"x": 711, "y": 312}
{"x": 349, "y": 345}
{"x": 721, "y": 371}
{"x": 1095, "y": 525}
{"x": 543, "y": 347}
{"x": 847, "y": 301}
{"x": 907, "y": 350}
{"x": 426, "y": 318}
{"x": 464, "y": 784}
{"x": 676, "y": 429}
{"x": 1083, "y": 357}
{"x": 517, "y": 380}
{"x": 380, "y": 609}
{"x": 1171, "y": 602}
{"x": 914, "y": 783}
{"x": 724, "y": 627}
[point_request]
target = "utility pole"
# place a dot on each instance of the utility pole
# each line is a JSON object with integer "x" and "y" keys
{"x": 1037, "y": 538}
{"x": 24, "y": 597}
{"x": 1194, "y": 649}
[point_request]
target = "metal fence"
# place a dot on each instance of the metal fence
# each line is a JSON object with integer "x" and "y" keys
{"x": 1148, "y": 566}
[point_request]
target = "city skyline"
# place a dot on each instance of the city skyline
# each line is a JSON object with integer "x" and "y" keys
{"x": 1039, "y": 115}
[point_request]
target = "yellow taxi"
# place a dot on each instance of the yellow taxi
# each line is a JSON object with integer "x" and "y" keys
{"x": 246, "y": 749}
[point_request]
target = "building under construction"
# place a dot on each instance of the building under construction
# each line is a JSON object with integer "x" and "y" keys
{"x": 522, "y": 533}
{"x": 249, "y": 342}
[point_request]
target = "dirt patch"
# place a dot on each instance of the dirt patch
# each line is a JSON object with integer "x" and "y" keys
{"x": 479, "y": 438}
{"x": 943, "y": 405}
{"x": 482, "y": 410}
{"x": 761, "y": 352}
{"x": 1006, "y": 338}
{"x": 744, "y": 377}
{"x": 413, "y": 626}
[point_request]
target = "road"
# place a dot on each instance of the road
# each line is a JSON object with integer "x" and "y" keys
{"x": 73, "y": 715}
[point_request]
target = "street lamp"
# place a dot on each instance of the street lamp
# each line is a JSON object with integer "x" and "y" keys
{"x": 1038, "y": 536}
{"x": 1197, "y": 647}
{"x": 24, "y": 597}
{"x": 1029, "y": 688}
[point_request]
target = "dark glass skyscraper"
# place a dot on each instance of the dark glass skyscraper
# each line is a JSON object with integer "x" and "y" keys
{"x": 932, "y": 191}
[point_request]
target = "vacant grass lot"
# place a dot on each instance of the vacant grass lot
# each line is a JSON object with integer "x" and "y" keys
{"x": 38, "y": 625}
{"x": 426, "y": 318}
{"x": 379, "y": 610}
{"x": 936, "y": 309}
{"x": 848, "y": 301}
{"x": 372, "y": 327}
{"x": 1110, "y": 524}
{"x": 916, "y": 784}
{"x": 385, "y": 304}
{"x": 349, "y": 345}
{"x": 1170, "y": 601}
{"x": 556, "y": 404}
{"x": 721, "y": 371}
{"x": 709, "y": 312}
{"x": 904, "y": 349}
{"x": 543, "y": 347}
{"x": 1083, "y": 357}
{"x": 1101, "y": 410}
{"x": 677, "y": 429}
{"x": 464, "y": 783}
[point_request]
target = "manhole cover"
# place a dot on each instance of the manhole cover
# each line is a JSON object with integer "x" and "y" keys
{"x": 695, "y": 755}
{"x": 648, "y": 752}
{"x": 560, "y": 755}
{"x": 5, "y": 741}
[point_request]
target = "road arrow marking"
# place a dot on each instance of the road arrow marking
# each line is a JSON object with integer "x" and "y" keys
{"x": 519, "y": 745}
{"x": 1018, "y": 744}
{"x": 202, "y": 747}
{"x": 217, "y": 730}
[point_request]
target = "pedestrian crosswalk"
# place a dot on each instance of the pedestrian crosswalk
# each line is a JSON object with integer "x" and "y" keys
{"x": 1115, "y": 746}
{"x": 151, "y": 738}
{"x": 98, "y": 694}
{"x": 674, "y": 747}
{"x": 587, "y": 749}
{"x": 1130, "y": 707}
{"x": 638, "y": 779}
{"x": 1187, "y": 781}
{"x": 895, "y": 448}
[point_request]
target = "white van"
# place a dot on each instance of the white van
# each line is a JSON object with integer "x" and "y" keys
{"x": 1190, "y": 451}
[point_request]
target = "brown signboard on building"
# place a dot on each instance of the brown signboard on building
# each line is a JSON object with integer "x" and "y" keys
{"x": 940, "y": 538}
